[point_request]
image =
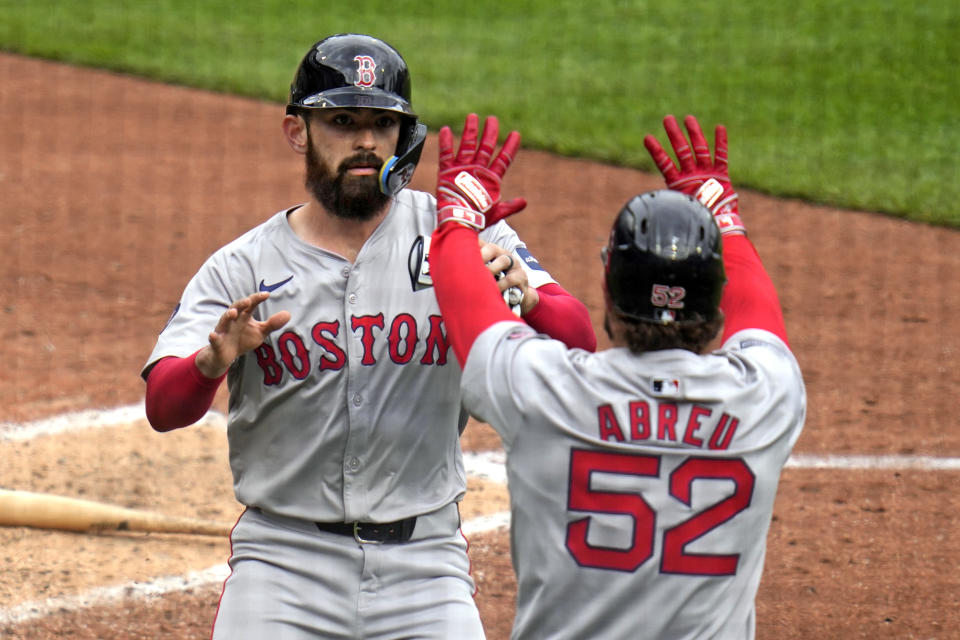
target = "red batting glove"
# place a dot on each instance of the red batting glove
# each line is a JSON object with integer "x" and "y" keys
{"x": 697, "y": 176}
{"x": 468, "y": 184}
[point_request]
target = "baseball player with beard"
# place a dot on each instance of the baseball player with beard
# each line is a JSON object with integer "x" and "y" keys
{"x": 642, "y": 478}
{"x": 344, "y": 408}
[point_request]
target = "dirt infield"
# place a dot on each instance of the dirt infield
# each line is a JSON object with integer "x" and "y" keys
{"x": 114, "y": 191}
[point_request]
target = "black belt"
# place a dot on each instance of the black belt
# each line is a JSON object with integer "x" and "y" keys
{"x": 372, "y": 532}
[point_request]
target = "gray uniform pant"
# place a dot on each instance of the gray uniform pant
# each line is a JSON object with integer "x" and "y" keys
{"x": 290, "y": 581}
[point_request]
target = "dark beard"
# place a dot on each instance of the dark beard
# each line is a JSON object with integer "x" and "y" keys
{"x": 351, "y": 197}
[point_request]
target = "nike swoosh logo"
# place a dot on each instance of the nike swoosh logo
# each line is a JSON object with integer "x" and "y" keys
{"x": 274, "y": 287}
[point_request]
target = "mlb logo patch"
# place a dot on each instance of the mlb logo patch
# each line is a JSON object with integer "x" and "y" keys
{"x": 665, "y": 316}
{"x": 665, "y": 386}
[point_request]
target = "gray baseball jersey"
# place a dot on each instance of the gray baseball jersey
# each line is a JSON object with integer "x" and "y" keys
{"x": 351, "y": 410}
{"x": 641, "y": 487}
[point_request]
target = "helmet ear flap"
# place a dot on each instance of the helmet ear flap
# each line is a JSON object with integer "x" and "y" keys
{"x": 397, "y": 171}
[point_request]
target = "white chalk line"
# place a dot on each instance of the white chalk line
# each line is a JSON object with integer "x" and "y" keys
{"x": 99, "y": 596}
{"x": 87, "y": 419}
{"x": 488, "y": 465}
{"x": 157, "y": 587}
{"x": 856, "y": 462}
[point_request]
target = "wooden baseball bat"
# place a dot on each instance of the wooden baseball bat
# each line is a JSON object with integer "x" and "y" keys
{"x": 48, "y": 511}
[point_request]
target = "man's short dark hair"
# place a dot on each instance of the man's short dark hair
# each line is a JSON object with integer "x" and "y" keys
{"x": 641, "y": 337}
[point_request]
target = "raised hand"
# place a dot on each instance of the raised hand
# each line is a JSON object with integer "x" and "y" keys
{"x": 699, "y": 176}
{"x": 237, "y": 333}
{"x": 468, "y": 182}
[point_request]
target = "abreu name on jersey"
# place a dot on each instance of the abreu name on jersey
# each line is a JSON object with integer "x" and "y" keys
{"x": 661, "y": 422}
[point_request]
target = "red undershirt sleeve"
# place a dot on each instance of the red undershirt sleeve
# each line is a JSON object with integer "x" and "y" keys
{"x": 749, "y": 299}
{"x": 469, "y": 298}
{"x": 562, "y": 317}
{"x": 177, "y": 393}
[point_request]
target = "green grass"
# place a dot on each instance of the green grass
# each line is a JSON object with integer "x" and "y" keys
{"x": 847, "y": 103}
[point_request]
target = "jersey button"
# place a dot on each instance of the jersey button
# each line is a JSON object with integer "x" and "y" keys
{"x": 357, "y": 400}
{"x": 345, "y": 272}
{"x": 352, "y": 298}
{"x": 353, "y": 464}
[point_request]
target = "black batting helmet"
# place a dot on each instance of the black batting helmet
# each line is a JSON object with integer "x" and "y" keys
{"x": 663, "y": 263}
{"x": 354, "y": 70}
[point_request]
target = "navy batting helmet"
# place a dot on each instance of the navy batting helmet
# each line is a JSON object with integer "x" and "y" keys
{"x": 351, "y": 70}
{"x": 663, "y": 263}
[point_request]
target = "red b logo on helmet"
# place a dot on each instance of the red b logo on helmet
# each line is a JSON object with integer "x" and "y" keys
{"x": 366, "y": 71}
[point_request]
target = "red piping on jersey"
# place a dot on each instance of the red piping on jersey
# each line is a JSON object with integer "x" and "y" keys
{"x": 177, "y": 393}
{"x": 223, "y": 587}
{"x": 749, "y": 300}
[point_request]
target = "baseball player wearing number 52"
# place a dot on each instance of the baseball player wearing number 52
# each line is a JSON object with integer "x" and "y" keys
{"x": 344, "y": 411}
{"x": 642, "y": 478}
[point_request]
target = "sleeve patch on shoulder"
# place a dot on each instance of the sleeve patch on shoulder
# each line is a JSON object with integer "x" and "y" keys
{"x": 172, "y": 316}
{"x": 520, "y": 332}
{"x": 528, "y": 259}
